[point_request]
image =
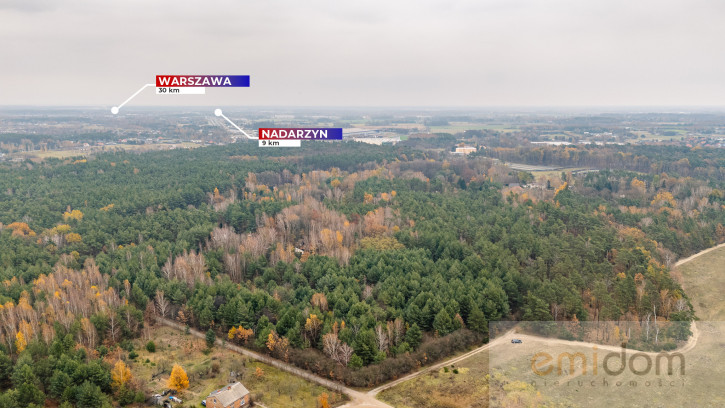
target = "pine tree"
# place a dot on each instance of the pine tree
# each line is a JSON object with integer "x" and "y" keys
{"x": 6, "y": 368}
{"x": 477, "y": 321}
{"x": 58, "y": 383}
{"x": 89, "y": 396}
{"x": 414, "y": 336}
{"x": 30, "y": 394}
{"x": 210, "y": 338}
{"x": 206, "y": 318}
{"x": 443, "y": 324}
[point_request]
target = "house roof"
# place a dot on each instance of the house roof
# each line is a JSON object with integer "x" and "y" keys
{"x": 227, "y": 395}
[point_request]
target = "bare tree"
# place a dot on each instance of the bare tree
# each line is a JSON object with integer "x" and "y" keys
{"x": 381, "y": 336}
{"x": 89, "y": 332}
{"x": 681, "y": 305}
{"x": 319, "y": 300}
{"x": 668, "y": 256}
{"x": 114, "y": 328}
{"x": 197, "y": 264}
{"x": 168, "y": 269}
{"x": 657, "y": 327}
{"x": 233, "y": 266}
{"x": 398, "y": 330}
{"x": 161, "y": 303}
{"x": 649, "y": 315}
{"x": 331, "y": 345}
{"x": 225, "y": 238}
{"x": 127, "y": 288}
{"x": 367, "y": 292}
{"x": 556, "y": 308}
{"x": 345, "y": 353}
{"x": 131, "y": 321}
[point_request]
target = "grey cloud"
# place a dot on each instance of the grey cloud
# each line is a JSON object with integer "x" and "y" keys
{"x": 28, "y": 6}
{"x": 378, "y": 52}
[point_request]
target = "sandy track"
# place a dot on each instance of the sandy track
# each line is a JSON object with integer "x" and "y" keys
{"x": 357, "y": 398}
{"x": 703, "y": 252}
{"x": 360, "y": 399}
{"x": 438, "y": 366}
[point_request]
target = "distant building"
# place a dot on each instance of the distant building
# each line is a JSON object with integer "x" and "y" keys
{"x": 377, "y": 140}
{"x": 553, "y": 143}
{"x": 232, "y": 396}
{"x": 359, "y": 132}
{"x": 465, "y": 150}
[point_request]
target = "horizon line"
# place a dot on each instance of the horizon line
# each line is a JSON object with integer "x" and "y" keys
{"x": 389, "y": 107}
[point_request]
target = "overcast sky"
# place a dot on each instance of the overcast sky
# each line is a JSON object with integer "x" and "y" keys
{"x": 367, "y": 53}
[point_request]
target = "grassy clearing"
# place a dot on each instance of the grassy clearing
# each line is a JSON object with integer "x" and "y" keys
{"x": 57, "y": 154}
{"x": 514, "y": 384}
{"x": 701, "y": 384}
{"x": 465, "y": 384}
{"x": 704, "y": 281}
{"x": 468, "y": 388}
{"x": 590, "y": 387}
{"x": 649, "y": 136}
{"x": 207, "y": 372}
{"x": 554, "y": 173}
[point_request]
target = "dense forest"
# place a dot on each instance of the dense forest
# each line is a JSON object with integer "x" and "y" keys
{"x": 356, "y": 262}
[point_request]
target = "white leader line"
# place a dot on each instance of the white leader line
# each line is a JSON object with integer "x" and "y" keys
{"x": 218, "y": 112}
{"x": 115, "y": 109}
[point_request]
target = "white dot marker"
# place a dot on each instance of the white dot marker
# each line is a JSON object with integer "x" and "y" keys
{"x": 114, "y": 110}
{"x": 218, "y": 112}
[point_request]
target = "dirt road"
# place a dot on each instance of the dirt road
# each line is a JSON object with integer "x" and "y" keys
{"x": 438, "y": 366}
{"x": 359, "y": 399}
{"x": 703, "y": 252}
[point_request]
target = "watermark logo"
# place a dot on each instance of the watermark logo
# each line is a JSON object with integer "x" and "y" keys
{"x": 613, "y": 363}
{"x": 592, "y": 364}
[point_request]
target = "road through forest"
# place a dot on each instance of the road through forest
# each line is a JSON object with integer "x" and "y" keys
{"x": 361, "y": 399}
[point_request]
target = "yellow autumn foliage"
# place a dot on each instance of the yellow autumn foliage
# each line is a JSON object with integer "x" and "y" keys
{"x": 178, "y": 380}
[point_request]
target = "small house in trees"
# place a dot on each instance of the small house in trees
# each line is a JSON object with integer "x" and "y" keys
{"x": 232, "y": 396}
{"x": 161, "y": 400}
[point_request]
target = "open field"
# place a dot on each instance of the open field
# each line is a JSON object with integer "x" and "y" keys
{"x": 648, "y": 136}
{"x": 466, "y": 383}
{"x": 207, "y": 372}
{"x": 514, "y": 380}
{"x": 444, "y": 388}
{"x": 555, "y": 174}
{"x": 391, "y": 126}
{"x": 62, "y": 154}
{"x": 456, "y": 127}
{"x": 704, "y": 280}
{"x": 543, "y": 171}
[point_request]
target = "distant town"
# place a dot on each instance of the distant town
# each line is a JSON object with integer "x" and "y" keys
{"x": 42, "y": 133}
